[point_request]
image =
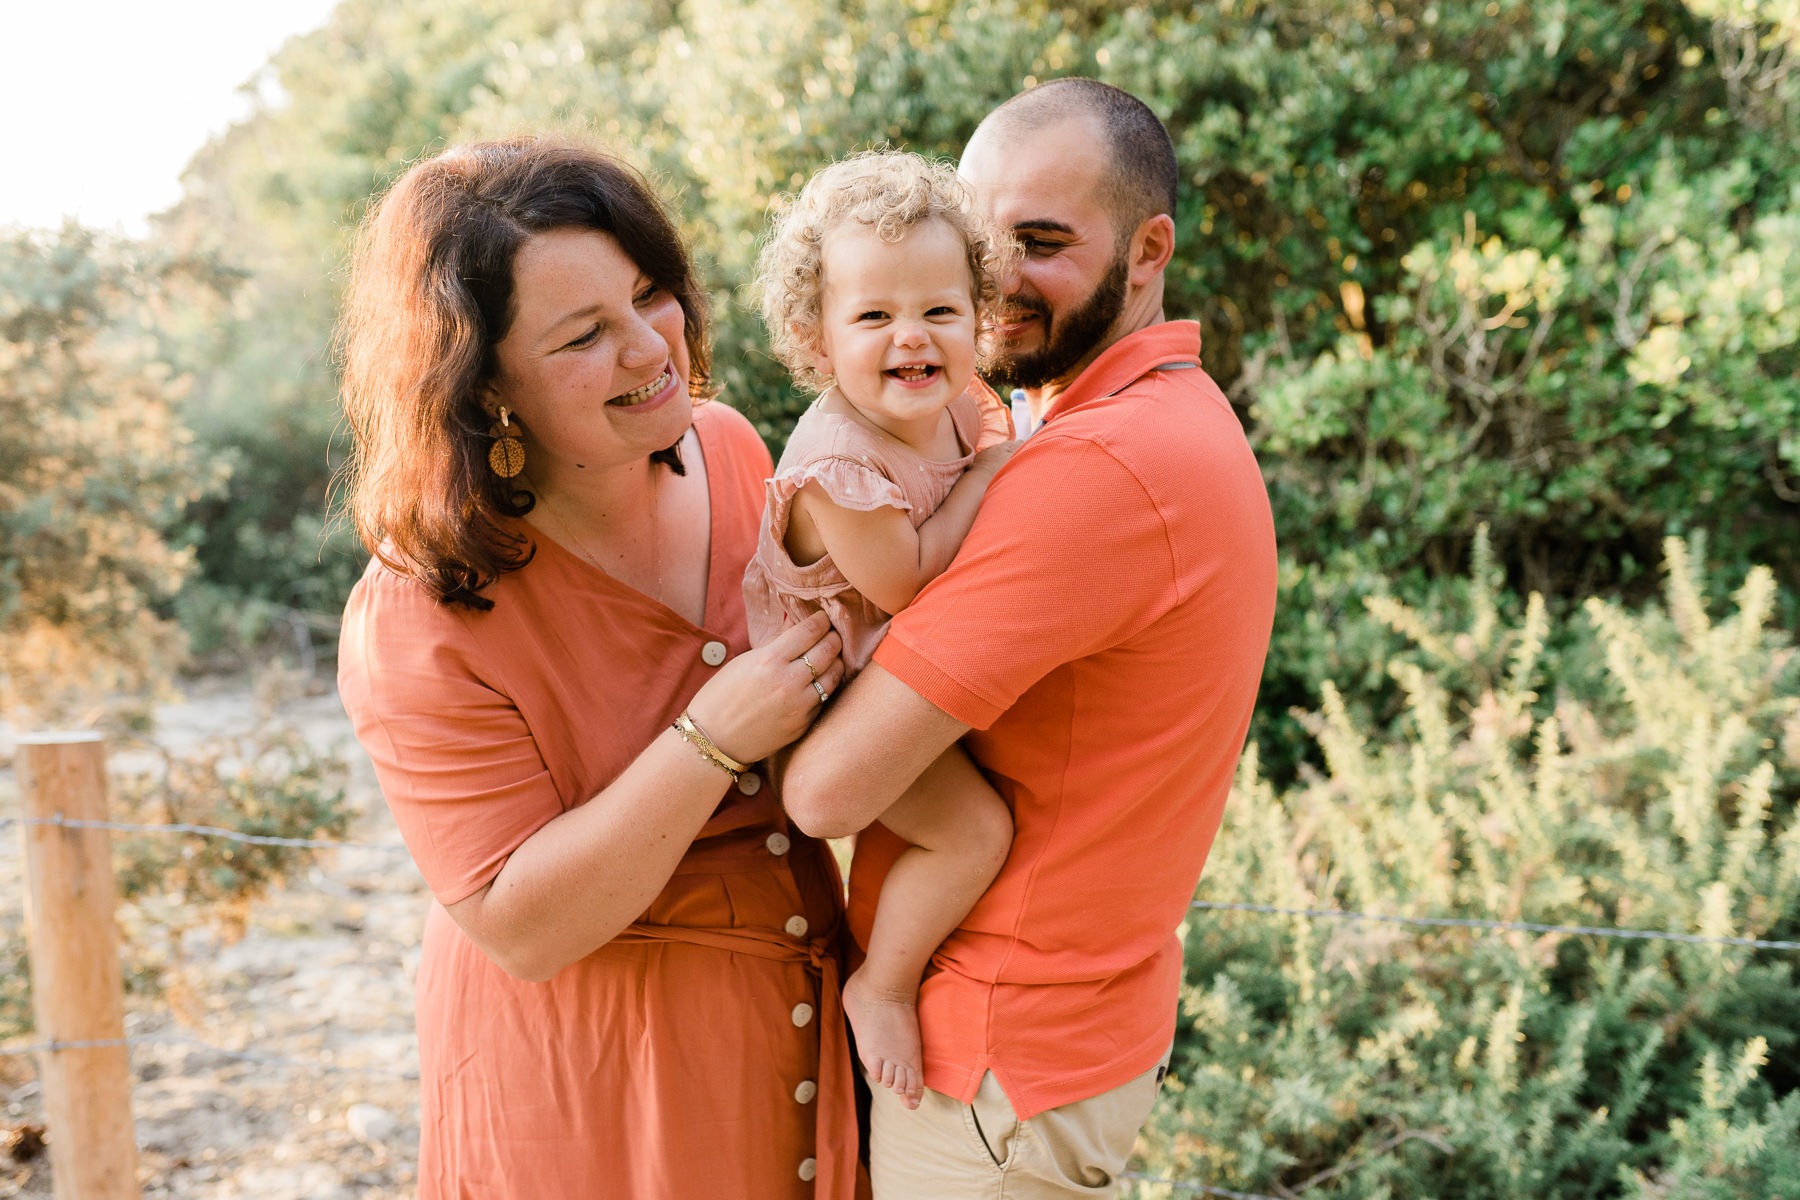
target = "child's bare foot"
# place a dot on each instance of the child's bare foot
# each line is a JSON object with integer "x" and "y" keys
{"x": 887, "y": 1036}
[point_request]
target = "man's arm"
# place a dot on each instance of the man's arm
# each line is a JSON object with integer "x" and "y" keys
{"x": 879, "y": 736}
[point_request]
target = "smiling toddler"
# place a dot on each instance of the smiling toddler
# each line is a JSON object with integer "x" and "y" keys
{"x": 878, "y": 286}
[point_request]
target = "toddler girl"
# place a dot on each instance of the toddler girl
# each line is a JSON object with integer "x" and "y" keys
{"x": 878, "y": 282}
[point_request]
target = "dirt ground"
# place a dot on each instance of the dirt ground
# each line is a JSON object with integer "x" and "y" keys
{"x": 280, "y": 1065}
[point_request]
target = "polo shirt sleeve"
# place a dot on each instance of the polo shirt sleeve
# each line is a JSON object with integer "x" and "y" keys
{"x": 456, "y": 761}
{"x": 1069, "y": 556}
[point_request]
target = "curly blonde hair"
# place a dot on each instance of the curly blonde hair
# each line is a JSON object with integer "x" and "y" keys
{"x": 890, "y": 191}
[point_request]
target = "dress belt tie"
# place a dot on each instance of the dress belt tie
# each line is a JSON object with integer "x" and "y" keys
{"x": 835, "y": 1152}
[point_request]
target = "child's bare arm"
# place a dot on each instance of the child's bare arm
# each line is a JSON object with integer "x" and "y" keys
{"x": 880, "y": 552}
{"x": 941, "y": 535}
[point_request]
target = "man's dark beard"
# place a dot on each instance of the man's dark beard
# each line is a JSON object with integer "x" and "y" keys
{"x": 1066, "y": 341}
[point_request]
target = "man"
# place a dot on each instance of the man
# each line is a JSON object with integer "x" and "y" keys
{"x": 1099, "y": 638}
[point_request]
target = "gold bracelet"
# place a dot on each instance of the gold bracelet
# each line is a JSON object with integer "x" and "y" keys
{"x": 696, "y": 737}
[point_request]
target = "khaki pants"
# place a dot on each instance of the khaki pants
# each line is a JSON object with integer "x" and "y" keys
{"x": 947, "y": 1150}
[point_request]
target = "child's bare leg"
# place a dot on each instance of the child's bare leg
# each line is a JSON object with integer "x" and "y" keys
{"x": 960, "y": 831}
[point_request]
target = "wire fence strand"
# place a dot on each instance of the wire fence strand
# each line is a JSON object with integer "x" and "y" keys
{"x": 1478, "y": 923}
{"x": 247, "y": 1056}
{"x": 1192, "y": 1188}
{"x": 1651, "y": 935}
{"x": 212, "y": 831}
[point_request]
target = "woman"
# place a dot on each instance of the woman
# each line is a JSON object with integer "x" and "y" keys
{"x": 627, "y": 986}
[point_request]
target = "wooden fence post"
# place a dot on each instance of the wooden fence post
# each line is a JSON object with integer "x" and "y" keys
{"x": 76, "y": 985}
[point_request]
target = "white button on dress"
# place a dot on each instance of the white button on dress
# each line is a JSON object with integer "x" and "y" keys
{"x": 806, "y": 1091}
{"x": 796, "y": 926}
{"x": 808, "y": 1168}
{"x": 777, "y": 843}
{"x": 749, "y": 783}
{"x": 713, "y": 653}
{"x": 802, "y": 1015}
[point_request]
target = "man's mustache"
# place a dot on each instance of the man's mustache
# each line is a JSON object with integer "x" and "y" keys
{"x": 1023, "y": 306}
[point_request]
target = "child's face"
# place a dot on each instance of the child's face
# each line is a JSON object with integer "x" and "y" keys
{"x": 898, "y": 323}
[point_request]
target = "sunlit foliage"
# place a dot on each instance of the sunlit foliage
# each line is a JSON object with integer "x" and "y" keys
{"x": 95, "y": 469}
{"x": 1655, "y": 793}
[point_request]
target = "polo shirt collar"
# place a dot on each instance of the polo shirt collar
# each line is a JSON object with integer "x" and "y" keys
{"x": 1128, "y": 360}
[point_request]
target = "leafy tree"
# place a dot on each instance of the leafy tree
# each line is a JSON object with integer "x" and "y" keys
{"x": 1514, "y": 264}
{"x": 1509, "y": 263}
{"x": 94, "y": 469}
{"x": 338, "y": 112}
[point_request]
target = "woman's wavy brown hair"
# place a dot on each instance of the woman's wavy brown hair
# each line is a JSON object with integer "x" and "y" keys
{"x": 430, "y": 296}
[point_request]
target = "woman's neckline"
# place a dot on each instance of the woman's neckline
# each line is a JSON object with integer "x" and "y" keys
{"x": 590, "y": 569}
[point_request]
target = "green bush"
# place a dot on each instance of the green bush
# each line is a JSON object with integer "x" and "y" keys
{"x": 95, "y": 467}
{"x": 266, "y": 784}
{"x": 1518, "y": 264}
{"x": 1655, "y": 791}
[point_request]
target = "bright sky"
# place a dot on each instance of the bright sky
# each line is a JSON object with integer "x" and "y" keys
{"x": 103, "y": 102}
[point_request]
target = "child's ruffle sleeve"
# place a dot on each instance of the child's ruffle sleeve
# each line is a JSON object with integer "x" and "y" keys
{"x": 849, "y": 482}
{"x": 779, "y": 592}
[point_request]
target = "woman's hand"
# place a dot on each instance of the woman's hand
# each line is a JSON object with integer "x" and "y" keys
{"x": 762, "y": 700}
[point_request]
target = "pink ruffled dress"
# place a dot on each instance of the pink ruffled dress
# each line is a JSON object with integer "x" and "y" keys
{"x": 860, "y": 469}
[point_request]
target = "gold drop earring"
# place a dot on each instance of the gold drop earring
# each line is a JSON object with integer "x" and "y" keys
{"x": 506, "y": 457}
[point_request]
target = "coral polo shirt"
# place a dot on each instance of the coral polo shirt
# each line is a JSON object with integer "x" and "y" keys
{"x": 1102, "y": 631}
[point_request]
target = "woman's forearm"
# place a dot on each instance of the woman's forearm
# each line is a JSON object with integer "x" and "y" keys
{"x": 572, "y": 886}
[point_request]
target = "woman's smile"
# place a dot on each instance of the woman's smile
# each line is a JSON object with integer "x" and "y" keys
{"x": 595, "y": 367}
{"x": 637, "y": 397}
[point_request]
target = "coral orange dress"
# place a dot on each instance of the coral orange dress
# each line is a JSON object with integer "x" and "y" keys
{"x": 699, "y": 1054}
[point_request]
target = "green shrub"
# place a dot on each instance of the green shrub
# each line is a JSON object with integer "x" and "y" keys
{"x": 1655, "y": 792}
{"x": 264, "y": 784}
{"x": 94, "y": 469}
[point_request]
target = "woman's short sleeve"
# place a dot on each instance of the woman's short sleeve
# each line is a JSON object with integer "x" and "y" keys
{"x": 458, "y": 765}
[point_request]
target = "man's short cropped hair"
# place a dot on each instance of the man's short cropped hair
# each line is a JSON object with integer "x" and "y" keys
{"x": 1141, "y": 180}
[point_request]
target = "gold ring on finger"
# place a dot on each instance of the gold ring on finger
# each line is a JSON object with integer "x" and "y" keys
{"x": 810, "y": 669}
{"x": 823, "y": 694}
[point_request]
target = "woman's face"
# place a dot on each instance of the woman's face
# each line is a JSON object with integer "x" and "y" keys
{"x": 595, "y": 366}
